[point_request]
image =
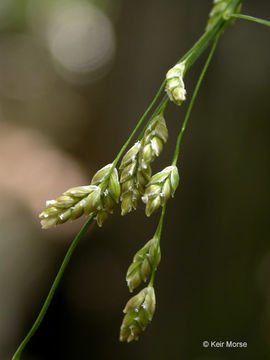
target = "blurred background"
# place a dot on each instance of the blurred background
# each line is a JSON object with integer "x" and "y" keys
{"x": 75, "y": 76}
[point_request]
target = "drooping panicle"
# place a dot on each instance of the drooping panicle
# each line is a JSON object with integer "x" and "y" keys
{"x": 175, "y": 87}
{"x": 139, "y": 312}
{"x": 143, "y": 263}
{"x": 135, "y": 166}
{"x": 160, "y": 188}
{"x": 95, "y": 199}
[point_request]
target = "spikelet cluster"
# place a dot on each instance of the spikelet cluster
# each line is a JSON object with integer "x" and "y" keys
{"x": 175, "y": 87}
{"x": 143, "y": 263}
{"x": 219, "y": 7}
{"x": 135, "y": 166}
{"x": 160, "y": 188}
{"x": 139, "y": 312}
{"x": 96, "y": 199}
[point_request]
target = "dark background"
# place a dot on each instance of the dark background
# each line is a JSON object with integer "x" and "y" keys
{"x": 75, "y": 76}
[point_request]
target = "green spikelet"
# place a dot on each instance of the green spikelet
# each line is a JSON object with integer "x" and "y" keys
{"x": 135, "y": 166}
{"x": 98, "y": 198}
{"x": 143, "y": 263}
{"x": 109, "y": 192}
{"x": 175, "y": 87}
{"x": 160, "y": 188}
{"x": 139, "y": 312}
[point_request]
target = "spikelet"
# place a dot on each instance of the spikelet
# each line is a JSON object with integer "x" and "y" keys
{"x": 160, "y": 188}
{"x": 139, "y": 312}
{"x": 110, "y": 192}
{"x": 143, "y": 263}
{"x": 220, "y": 7}
{"x": 135, "y": 166}
{"x": 98, "y": 198}
{"x": 175, "y": 87}
{"x": 131, "y": 182}
{"x": 156, "y": 134}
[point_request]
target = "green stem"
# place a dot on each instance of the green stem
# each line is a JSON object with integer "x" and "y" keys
{"x": 198, "y": 48}
{"x": 123, "y": 148}
{"x": 251, "y": 18}
{"x": 54, "y": 286}
{"x": 195, "y": 52}
{"x": 190, "y": 57}
{"x": 177, "y": 147}
{"x": 157, "y": 235}
{"x": 160, "y": 109}
{"x": 138, "y": 125}
{"x": 202, "y": 44}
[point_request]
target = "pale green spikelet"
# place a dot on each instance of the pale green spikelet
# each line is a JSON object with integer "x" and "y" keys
{"x": 221, "y": 8}
{"x": 143, "y": 263}
{"x": 139, "y": 312}
{"x": 135, "y": 165}
{"x": 97, "y": 199}
{"x": 175, "y": 87}
{"x": 110, "y": 192}
{"x": 70, "y": 205}
{"x": 160, "y": 188}
{"x": 130, "y": 182}
{"x": 155, "y": 136}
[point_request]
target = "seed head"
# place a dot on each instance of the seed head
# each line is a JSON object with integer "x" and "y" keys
{"x": 160, "y": 188}
{"x": 97, "y": 199}
{"x": 135, "y": 166}
{"x": 143, "y": 263}
{"x": 175, "y": 86}
{"x": 139, "y": 312}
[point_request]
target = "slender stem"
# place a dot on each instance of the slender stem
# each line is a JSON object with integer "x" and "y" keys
{"x": 54, "y": 286}
{"x": 202, "y": 44}
{"x": 157, "y": 235}
{"x": 177, "y": 148}
{"x": 195, "y": 51}
{"x": 160, "y": 224}
{"x": 123, "y": 148}
{"x": 160, "y": 109}
{"x": 138, "y": 125}
{"x": 191, "y": 56}
{"x": 198, "y": 48}
{"x": 251, "y": 18}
